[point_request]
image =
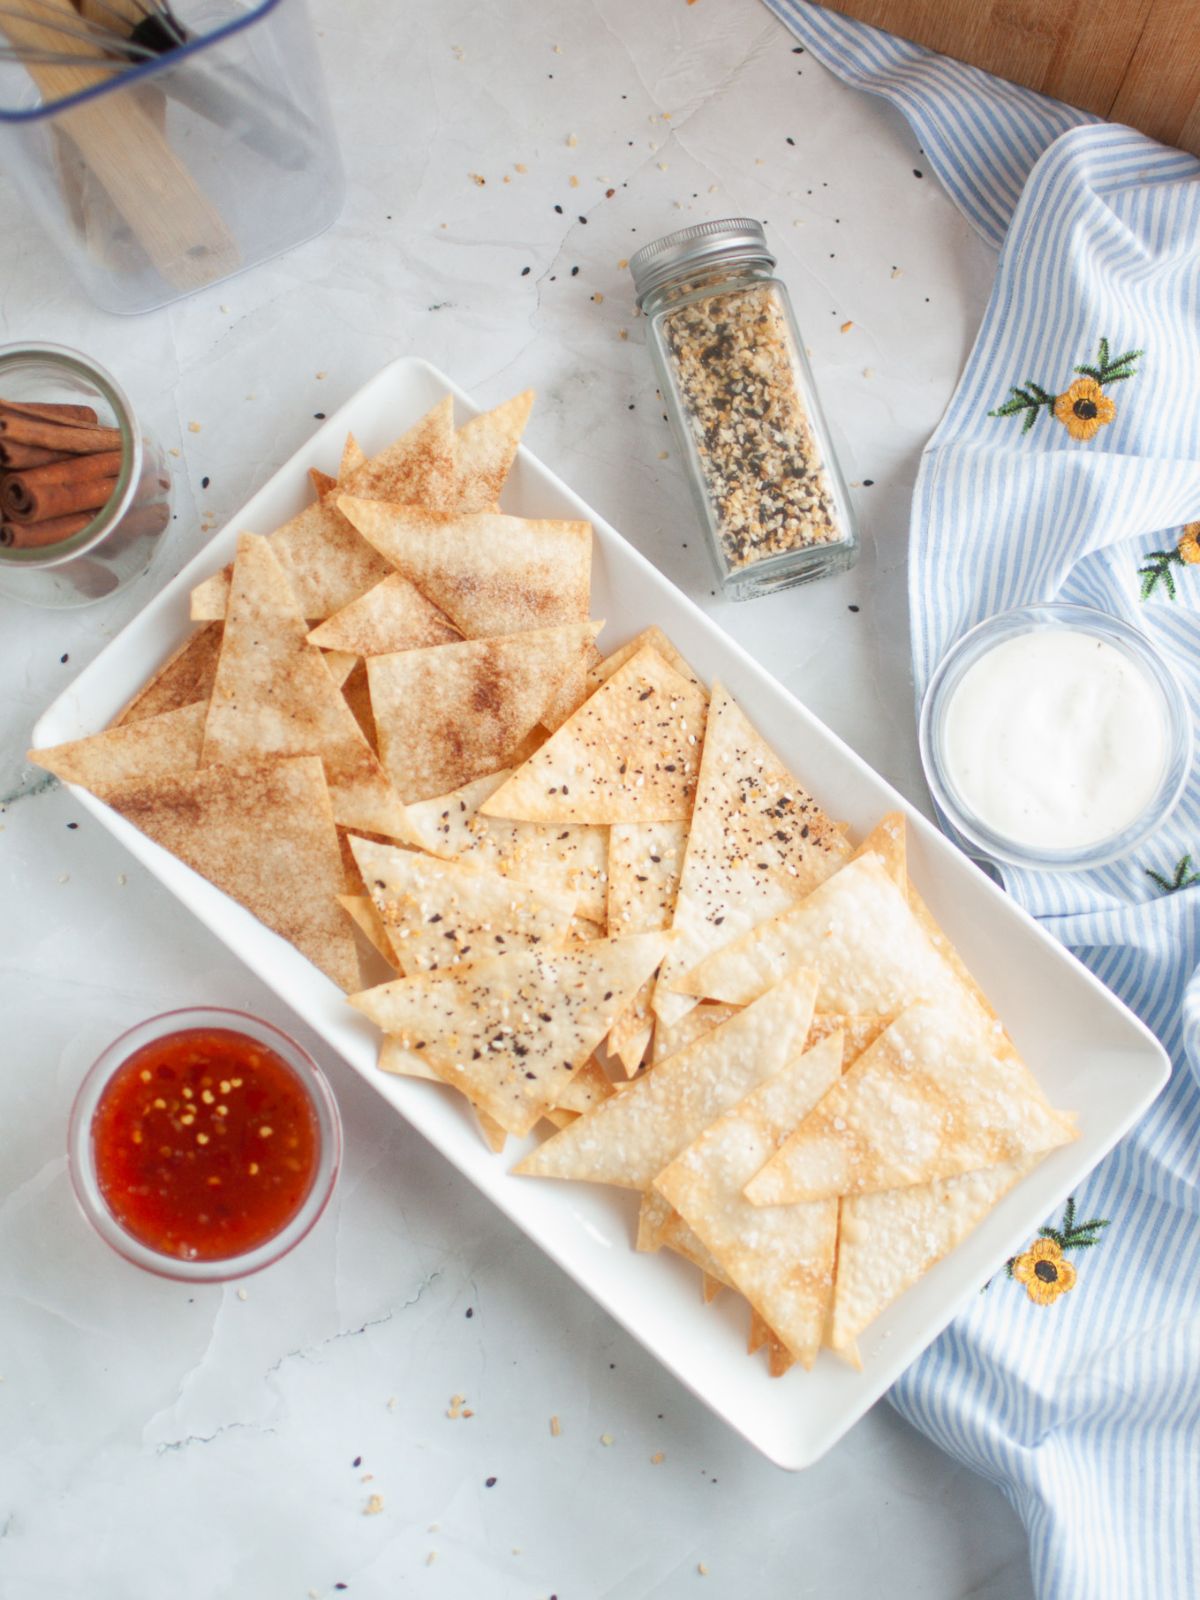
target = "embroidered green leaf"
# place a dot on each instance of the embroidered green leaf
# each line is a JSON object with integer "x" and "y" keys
{"x": 1185, "y": 876}
{"x": 1158, "y": 570}
{"x": 1072, "y": 1235}
{"x": 1029, "y": 399}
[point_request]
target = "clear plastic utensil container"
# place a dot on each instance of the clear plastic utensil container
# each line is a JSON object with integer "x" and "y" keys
{"x": 182, "y": 170}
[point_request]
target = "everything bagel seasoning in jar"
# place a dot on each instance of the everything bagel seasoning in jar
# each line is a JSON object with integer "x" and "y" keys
{"x": 744, "y": 408}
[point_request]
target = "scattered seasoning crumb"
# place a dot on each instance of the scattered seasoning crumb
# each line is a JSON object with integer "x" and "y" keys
{"x": 64, "y": 877}
{"x": 72, "y": 825}
{"x": 519, "y": 166}
{"x": 367, "y": 1477}
{"x": 341, "y": 1586}
{"x": 470, "y": 1312}
{"x": 623, "y": 333}
{"x": 205, "y": 481}
{"x": 194, "y": 427}
{"x": 457, "y": 1401}
{"x": 606, "y": 1439}
{"x": 598, "y": 298}
{"x": 608, "y": 193}
{"x": 917, "y": 173}
{"x": 851, "y": 608}
{"x": 574, "y": 272}
{"x": 623, "y": 263}
{"x": 555, "y": 1427}
{"x": 357, "y": 1462}
{"x": 431, "y": 1558}
{"x": 573, "y": 181}
{"x": 790, "y": 140}
{"x": 391, "y": 1404}
{"x": 662, "y": 166}
{"x": 846, "y": 326}
{"x": 319, "y": 415}
{"x": 702, "y": 1569}
{"x": 177, "y": 453}
{"x": 896, "y": 272}
{"x": 525, "y": 271}
{"x": 241, "y": 1294}
{"x": 868, "y": 483}
{"x": 868, "y": 372}
{"x": 122, "y": 880}
{"x": 64, "y": 658}
{"x": 657, "y": 1459}
{"x": 477, "y": 179}
{"x": 321, "y": 375}
{"x": 489, "y": 1483}
{"x": 572, "y": 141}
{"x": 663, "y": 455}
{"x": 559, "y": 209}
{"x": 373, "y": 1506}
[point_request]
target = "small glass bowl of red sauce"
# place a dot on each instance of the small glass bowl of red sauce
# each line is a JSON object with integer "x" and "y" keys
{"x": 204, "y": 1144}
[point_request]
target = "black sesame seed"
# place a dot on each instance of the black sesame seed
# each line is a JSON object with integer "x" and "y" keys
{"x": 319, "y": 415}
{"x": 917, "y": 173}
{"x": 852, "y": 608}
{"x": 525, "y": 271}
{"x": 357, "y": 1462}
{"x": 72, "y": 824}
{"x": 489, "y": 1483}
{"x": 64, "y": 659}
{"x": 559, "y": 210}
{"x": 205, "y": 481}
{"x": 470, "y": 1312}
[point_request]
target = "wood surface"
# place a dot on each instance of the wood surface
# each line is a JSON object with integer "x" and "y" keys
{"x": 1134, "y": 61}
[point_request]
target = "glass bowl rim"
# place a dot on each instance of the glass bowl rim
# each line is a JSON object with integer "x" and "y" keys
{"x": 968, "y": 648}
{"x": 81, "y": 1163}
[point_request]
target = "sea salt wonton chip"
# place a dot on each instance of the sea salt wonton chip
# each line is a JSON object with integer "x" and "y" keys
{"x": 265, "y": 835}
{"x": 630, "y": 1138}
{"x": 758, "y": 843}
{"x": 657, "y": 640}
{"x": 511, "y": 1031}
{"x": 273, "y": 696}
{"x": 392, "y": 615}
{"x": 440, "y": 914}
{"x": 888, "y": 1240}
{"x": 780, "y": 1257}
{"x": 457, "y": 712}
{"x": 941, "y": 1091}
{"x": 629, "y": 754}
{"x": 559, "y": 860}
{"x": 132, "y": 753}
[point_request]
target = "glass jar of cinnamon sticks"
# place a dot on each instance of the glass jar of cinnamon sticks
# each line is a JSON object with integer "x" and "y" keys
{"x": 85, "y": 495}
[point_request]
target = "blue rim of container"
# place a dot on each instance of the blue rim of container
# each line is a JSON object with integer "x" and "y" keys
{"x": 143, "y": 71}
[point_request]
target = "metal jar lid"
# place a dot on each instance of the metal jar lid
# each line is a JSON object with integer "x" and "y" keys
{"x": 706, "y": 244}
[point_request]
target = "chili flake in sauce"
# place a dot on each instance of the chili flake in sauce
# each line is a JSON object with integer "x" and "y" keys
{"x": 205, "y": 1144}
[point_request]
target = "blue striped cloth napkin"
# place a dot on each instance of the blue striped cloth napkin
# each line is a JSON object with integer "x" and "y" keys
{"x": 1080, "y": 1396}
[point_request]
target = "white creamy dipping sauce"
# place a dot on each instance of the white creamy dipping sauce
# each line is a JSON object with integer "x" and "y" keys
{"x": 1055, "y": 739}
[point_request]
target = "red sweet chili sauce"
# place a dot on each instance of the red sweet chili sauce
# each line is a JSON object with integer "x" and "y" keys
{"x": 205, "y": 1144}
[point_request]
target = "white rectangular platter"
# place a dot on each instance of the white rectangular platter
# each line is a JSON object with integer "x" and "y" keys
{"x": 1089, "y": 1052}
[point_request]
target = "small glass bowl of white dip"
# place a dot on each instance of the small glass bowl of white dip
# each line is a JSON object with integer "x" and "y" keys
{"x": 1055, "y": 737}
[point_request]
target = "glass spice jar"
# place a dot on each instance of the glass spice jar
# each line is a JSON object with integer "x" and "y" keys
{"x": 66, "y": 426}
{"x": 744, "y": 407}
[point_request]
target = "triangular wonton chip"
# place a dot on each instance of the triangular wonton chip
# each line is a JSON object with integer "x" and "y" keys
{"x": 629, "y": 754}
{"x": 440, "y": 914}
{"x": 265, "y": 835}
{"x": 457, "y": 712}
{"x": 780, "y": 1257}
{"x": 392, "y": 615}
{"x": 570, "y": 860}
{"x": 511, "y": 1031}
{"x": 132, "y": 753}
{"x": 484, "y": 449}
{"x": 758, "y": 843}
{"x": 888, "y": 1240}
{"x": 642, "y": 1128}
{"x": 273, "y": 695}
{"x": 185, "y": 677}
{"x": 941, "y": 1091}
{"x": 644, "y": 863}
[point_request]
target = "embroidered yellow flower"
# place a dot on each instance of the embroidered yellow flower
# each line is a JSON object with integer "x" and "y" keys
{"x": 1044, "y": 1272}
{"x": 1189, "y": 544}
{"x": 1084, "y": 409}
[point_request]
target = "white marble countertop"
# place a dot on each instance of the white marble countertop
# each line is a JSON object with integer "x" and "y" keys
{"x": 223, "y": 1442}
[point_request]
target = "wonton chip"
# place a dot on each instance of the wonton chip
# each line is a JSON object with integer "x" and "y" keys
{"x": 629, "y": 754}
{"x": 457, "y": 712}
{"x": 265, "y": 835}
{"x": 185, "y": 677}
{"x": 589, "y": 1086}
{"x": 484, "y": 449}
{"x": 392, "y": 615}
{"x": 644, "y": 862}
{"x": 657, "y": 640}
{"x": 360, "y": 908}
{"x": 888, "y": 1240}
{"x": 570, "y": 860}
{"x": 668, "y": 1040}
{"x": 418, "y": 469}
{"x": 490, "y": 574}
{"x": 940, "y": 1092}
{"x": 273, "y": 695}
{"x": 780, "y": 1257}
{"x": 511, "y": 1031}
{"x": 440, "y": 914}
{"x": 630, "y": 1138}
{"x": 166, "y": 746}
{"x": 758, "y": 843}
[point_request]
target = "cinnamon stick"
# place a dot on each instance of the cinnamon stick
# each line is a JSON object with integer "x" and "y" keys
{"x": 51, "y": 411}
{"x": 80, "y": 483}
{"x": 15, "y": 457}
{"x": 36, "y": 535}
{"x": 78, "y": 438}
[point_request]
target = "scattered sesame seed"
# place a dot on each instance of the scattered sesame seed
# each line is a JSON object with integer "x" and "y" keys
{"x": 373, "y": 1506}
{"x": 555, "y": 1427}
